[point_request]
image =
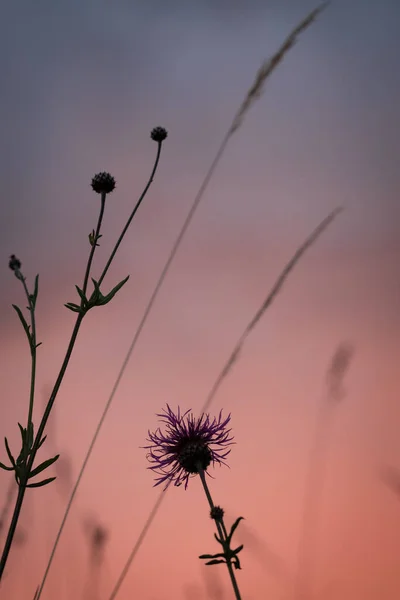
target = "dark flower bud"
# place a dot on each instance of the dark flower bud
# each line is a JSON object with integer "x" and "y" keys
{"x": 158, "y": 134}
{"x": 217, "y": 513}
{"x": 103, "y": 183}
{"x": 14, "y": 263}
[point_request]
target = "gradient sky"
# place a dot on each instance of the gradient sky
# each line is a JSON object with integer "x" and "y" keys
{"x": 83, "y": 83}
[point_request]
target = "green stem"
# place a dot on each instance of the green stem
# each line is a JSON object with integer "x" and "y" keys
{"x": 33, "y": 353}
{"x": 138, "y": 203}
{"x": 92, "y": 443}
{"x": 22, "y": 487}
{"x": 222, "y": 533}
{"x": 93, "y": 248}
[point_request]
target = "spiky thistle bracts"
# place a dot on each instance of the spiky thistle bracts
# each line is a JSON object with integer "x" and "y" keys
{"x": 187, "y": 444}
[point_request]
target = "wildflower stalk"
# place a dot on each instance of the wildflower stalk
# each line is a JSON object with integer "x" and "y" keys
{"x": 223, "y": 534}
{"x": 94, "y": 245}
{"x": 113, "y": 253}
{"x": 159, "y": 140}
{"x": 38, "y": 439}
{"x": 33, "y": 347}
{"x": 81, "y": 311}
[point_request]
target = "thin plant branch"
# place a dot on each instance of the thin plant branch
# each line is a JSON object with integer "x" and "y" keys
{"x": 223, "y": 534}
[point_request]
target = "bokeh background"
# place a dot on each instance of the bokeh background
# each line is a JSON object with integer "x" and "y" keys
{"x": 83, "y": 83}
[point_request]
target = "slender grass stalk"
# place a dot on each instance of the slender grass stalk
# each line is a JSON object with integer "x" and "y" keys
{"x": 138, "y": 544}
{"x": 252, "y": 95}
{"x": 276, "y": 288}
{"x": 80, "y": 316}
{"x": 316, "y": 472}
{"x": 223, "y": 534}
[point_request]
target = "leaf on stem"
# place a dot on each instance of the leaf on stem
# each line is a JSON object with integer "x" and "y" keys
{"x": 40, "y": 483}
{"x": 42, "y": 441}
{"x": 82, "y": 296}
{"x": 35, "y": 291}
{"x": 233, "y": 528}
{"x": 23, "y": 321}
{"x": 97, "y": 298}
{"x": 23, "y": 434}
{"x": 10, "y": 456}
{"x": 6, "y": 468}
{"x": 43, "y": 466}
{"x": 74, "y": 307}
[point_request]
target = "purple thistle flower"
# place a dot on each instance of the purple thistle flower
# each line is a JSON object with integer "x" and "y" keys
{"x": 187, "y": 445}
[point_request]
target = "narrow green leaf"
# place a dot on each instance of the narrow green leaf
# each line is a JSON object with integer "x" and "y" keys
{"x": 24, "y": 323}
{"x": 39, "y": 344}
{"x": 23, "y": 434}
{"x": 73, "y": 307}
{"x": 40, "y": 483}
{"x": 215, "y": 562}
{"x": 42, "y": 441}
{"x": 110, "y": 295}
{"x": 6, "y": 468}
{"x": 81, "y": 295}
{"x": 206, "y": 556}
{"x": 10, "y": 456}
{"x": 218, "y": 539}
{"x": 43, "y": 466}
{"x": 36, "y": 290}
{"x": 236, "y": 563}
{"x": 233, "y": 528}
{"x": 238, "y": 549}
{"x": 96, "y": 294}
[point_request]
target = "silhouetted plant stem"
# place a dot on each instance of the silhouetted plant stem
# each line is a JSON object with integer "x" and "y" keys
{"x": 132, "y": 214}
{"x": 22, "y": 487}
{"x": 58, "y": 536}
{"x": 223, "y": 534}
{"x": 94, "y": 245}
{"x": 33, "y": 352}
{"x": 46, "y": 414}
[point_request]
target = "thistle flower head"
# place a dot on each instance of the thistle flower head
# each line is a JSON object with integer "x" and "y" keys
{"x": 158, "y": 134}
{"x": 103, "y": 183}
{"x": 186, "y": 445}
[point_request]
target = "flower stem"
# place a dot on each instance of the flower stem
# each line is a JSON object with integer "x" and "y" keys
{"x": 138, "y": 203}
{"x": 94, "y": 245}
{"x": 22, "y": 487}
{"x": 222, "y": 533}
{"x": 105, "y": 412}
{"x": 33, "y": 352}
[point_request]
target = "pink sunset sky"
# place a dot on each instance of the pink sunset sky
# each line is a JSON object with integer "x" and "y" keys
{"x": 83, "y": 85}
